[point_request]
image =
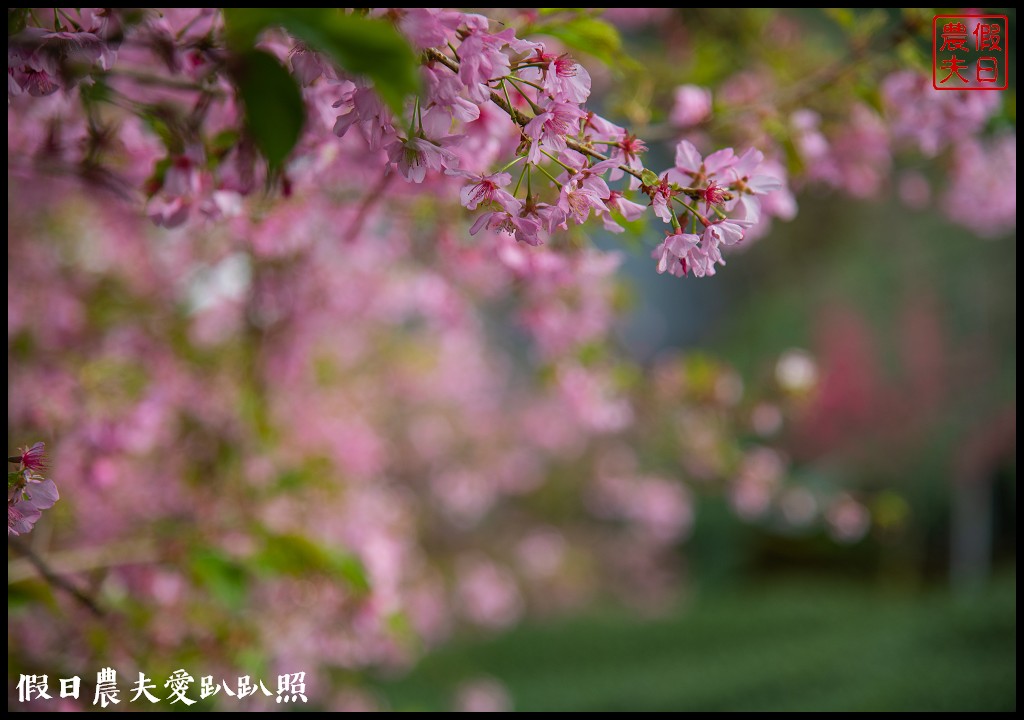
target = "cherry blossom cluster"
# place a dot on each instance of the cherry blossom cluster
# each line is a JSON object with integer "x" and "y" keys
{"x": 28, "y": 492}
{"x": 859, "y": 151}
{"x": 862, "y": 152}
{"x": 501, "y": 124}
{"x": 729, "y": 186}
{"x": 565, "y": 155}
{"x": 382, "y": 441}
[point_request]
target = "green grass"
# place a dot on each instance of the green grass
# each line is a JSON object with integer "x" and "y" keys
{"x": 786, "y": 646}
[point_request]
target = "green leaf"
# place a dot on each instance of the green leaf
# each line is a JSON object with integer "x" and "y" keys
{"x": 97, "y": 92}
{"x": 649, "y": 177}
{"x": 16, "y": 19}
{"x": 544, "y": 12}
{"x": 223, "y": 141}
{"x": 595, "y": 37}
{"x": 844, "y": 17}
{"x": 352, "y": 570}
{"x": 225, "y": 578}
{"x": 363, "y": 46}
{"x": 292, "y": 555}
{"x": 402, "y": 631}
{"x": 156, "y": 181}
{"x": 242, "y": 26}
{"x": 298, "y": 555}
{"x": 911, "y": 55}
{"x": 274, "y": 110}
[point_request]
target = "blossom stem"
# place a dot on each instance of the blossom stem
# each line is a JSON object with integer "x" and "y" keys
{"x": 552, "y": 157}
{"x": 147, "y": 79}
{"x": 675, "y": 221}
{"x": 521, "y": 119}
{"x": 520, "y": 180}
{"x": 537, "y": 109}
{"x": 417, "y": 117}
{"x": 550, "y": 176}
{"x": 188, "y": 26}
{"x": 532, "y": 84}
{"x": 71, "y": 20}
{"x": 694, "y": 212}
{"x": 504, "y": 89}
{"x": 372, "y": 198}
{"x": 518, "y": 158}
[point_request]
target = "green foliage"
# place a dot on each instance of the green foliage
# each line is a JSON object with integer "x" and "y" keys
{"x": 274, "y": 110}
{"x": 97, "y": 92}
{"x": 225, "y": 578}
{"x": 363, "y": 46}
{"x": 228, "y": 579}
{"x": 587, "y": 34}
{"x": 16, "y": 18}
{"x": 298, "y": 556}
{"x": 785, "y": 646}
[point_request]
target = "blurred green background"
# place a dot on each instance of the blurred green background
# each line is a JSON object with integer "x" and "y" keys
{"x": 920, "y": 614}
{"x": 791, "y": 645}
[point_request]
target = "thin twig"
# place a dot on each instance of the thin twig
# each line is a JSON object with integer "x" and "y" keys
{"x": 55, "y": 580}
{"x": 373, "y": 197}
{"x": 145, "y": 78}
{"x": 67, "y": 562}
{"x": 521, "y": 119}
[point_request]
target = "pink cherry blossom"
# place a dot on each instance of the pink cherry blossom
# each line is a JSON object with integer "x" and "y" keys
{"x": 675, "y": 254}
{"x": 561, "y": 76}
{"x": 29, "y": 493}
{"x": 628, "y": 209}
{"x": 488, "y": 189}
{"x": 22, "y": 516}
{"x": 444, "y": 91}
{"x": 578, "y": 197}
{"x": 481, "y": 61}
{"x": 415, "y": 156}
{"x": 692, "y": 167}
{"x": 549, "y": 128}
{"x": 982, "y": 195}
{"x": 661, "y": 197}
{"x": 363, "y": 107}
{"x": 692, "y": 106}
{"x": 483, "y": 694}
{"x": 309, "y": 65}
{"x": 427, "y": 27}
{"x": 933, "y": 120}
{"x": 524, "y": 229}
{"x": 33, "y": 458}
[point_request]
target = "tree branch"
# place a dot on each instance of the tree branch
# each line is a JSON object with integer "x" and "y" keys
{"x": 23, "y": 548}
